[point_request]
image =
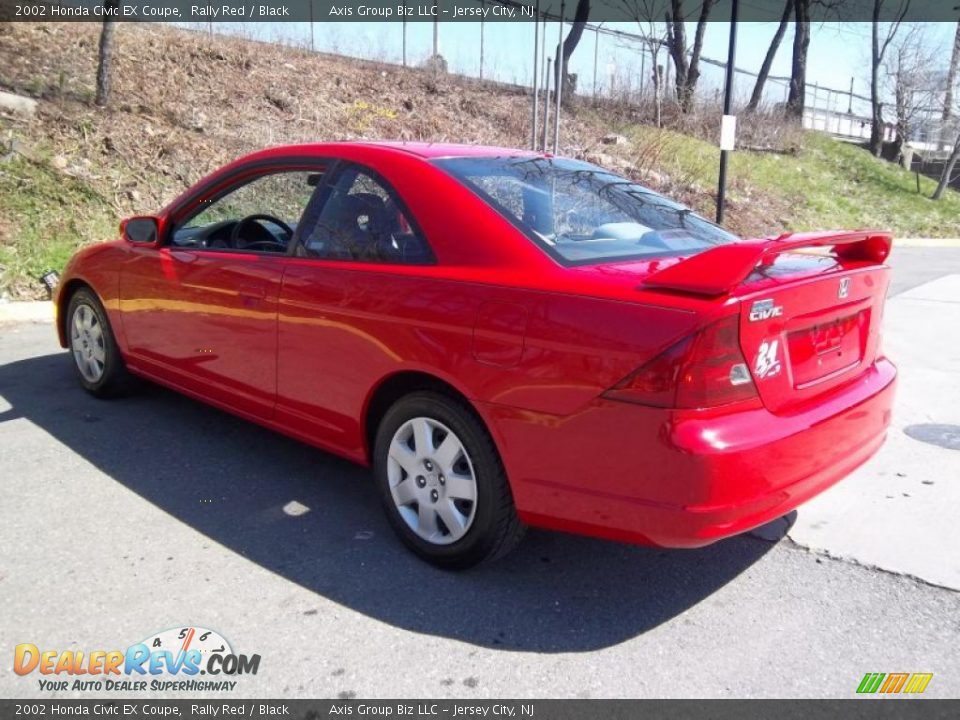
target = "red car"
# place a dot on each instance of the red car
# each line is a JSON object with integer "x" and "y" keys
{"x": 507, "y": 338}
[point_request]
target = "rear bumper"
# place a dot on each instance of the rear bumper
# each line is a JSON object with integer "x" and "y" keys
{"x": 687, "y": 478}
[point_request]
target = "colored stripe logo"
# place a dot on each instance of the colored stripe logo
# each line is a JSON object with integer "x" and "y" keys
{"x": 891, "y": 683}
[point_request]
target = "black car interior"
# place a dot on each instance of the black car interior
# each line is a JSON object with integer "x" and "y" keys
{"x": 342, "y": 221}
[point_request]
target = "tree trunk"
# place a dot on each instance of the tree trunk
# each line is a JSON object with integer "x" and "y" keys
{"x": 876, "y": 107}
{"x": 903, "y": 120}
{"x": 951, "y": 76}
{"x": 677, "y": 48}
{"x": 757, "y": 93}
{"x": 947, "y": 173}
{"x": 693, "y": 72}
{"x": 687, "y": 71}
{"x": 105, "y": 59}
{"x": 657, "y": 92}
{"x": 798, "y": 71}
{"x": 569, "y": 45}
{"x": 951, "y": 81}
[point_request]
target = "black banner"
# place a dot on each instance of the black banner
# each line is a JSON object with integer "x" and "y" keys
{"x": 632, "y": 11}
{"x": 855, "y": 709}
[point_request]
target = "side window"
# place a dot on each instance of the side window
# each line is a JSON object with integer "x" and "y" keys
{"x": 362, "y": 220}
{"x": 260, "y": 216}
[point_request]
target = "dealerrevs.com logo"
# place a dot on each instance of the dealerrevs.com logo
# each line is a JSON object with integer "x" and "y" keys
{"x": 171, "y": 660}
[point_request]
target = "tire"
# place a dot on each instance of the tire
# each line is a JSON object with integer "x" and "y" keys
{"x": 93, "y": 348}
{"x": 420, "y": 476}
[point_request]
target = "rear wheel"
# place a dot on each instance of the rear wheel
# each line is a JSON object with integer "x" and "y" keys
{"x": 93, "y": 346}
{"x": 442, "y": 483}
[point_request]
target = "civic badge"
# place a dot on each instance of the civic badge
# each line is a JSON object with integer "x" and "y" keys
{"x": 844, "y": 288}
{"x": 764, "y": 310}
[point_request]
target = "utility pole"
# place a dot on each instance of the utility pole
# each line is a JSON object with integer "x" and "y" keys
{"x": 312, "y": 47}
{"x": 436, "y": 32}
{"x": 536, "y": 78}
{"x": 546, "y": 106}
{"x": 726, "y": 144}
{"x": 545, "y": 82}
{"x": 558, "y": 82}
{"x": 596, "y": 53}
{"x": 481, "y": 40}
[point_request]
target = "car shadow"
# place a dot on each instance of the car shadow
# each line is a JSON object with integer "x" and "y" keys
{"x": 315, "y": 520}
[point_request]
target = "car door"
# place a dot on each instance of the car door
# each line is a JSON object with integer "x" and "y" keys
{"x": 200, "y": 311}
{"x": 354, "y": 275}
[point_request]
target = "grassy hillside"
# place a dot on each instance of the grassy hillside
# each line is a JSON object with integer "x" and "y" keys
{"x": 185, "y": 103}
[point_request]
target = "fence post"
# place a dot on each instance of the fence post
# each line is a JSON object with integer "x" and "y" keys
{"x": 481, "y": 40}
{"x": 558, "y": 68}
{"x": 536, "y": 78}
{"x": 596, "y": 52}
{"x": 546, "y": 102}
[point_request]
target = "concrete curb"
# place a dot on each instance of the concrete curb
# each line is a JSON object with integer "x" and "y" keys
{"x": 926, "y": 242}
{"x": 17, "y": 312}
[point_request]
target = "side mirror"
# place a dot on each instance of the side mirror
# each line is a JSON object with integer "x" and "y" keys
{"x": 141, "y": 230}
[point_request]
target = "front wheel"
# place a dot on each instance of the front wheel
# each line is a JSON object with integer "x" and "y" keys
{"x": 442, "y": 483}
{"x": 95, "y": 354}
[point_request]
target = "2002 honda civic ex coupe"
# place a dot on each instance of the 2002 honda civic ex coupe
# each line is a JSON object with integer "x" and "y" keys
{"x": 507, "y": 338}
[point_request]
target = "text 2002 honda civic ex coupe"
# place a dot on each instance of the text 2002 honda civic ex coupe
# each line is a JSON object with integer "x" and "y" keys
{"x": 507, "y": 338}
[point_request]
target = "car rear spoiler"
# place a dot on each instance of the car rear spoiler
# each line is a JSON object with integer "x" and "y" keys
{"x": 720, "y": 269}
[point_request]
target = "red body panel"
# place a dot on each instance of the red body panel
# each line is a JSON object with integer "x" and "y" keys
{"x": 302, "y": 345}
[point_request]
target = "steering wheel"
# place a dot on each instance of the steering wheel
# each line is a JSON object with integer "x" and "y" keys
{"x": 259, "y": 244}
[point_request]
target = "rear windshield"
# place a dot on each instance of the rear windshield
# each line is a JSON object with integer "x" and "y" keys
{"x": 582, "y": 214}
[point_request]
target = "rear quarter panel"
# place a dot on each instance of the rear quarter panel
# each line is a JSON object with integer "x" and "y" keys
{"x": 343, "y": 330}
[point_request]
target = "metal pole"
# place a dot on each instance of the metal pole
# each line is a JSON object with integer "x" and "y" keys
{"x": 545, "y": 82}
{"x": 536, "y": 77}
{"x": 850, "y": 104}
{"x": 481, "y": 42}
{"x": 312, "y": 47}
{"x": 643, "y": 70}
{"x": 546, "y": 107}
{"x": 436, "y": 33}
{"x": 558, "y": 82}
{"x": 404, "y": 42}
{"x": 596, "y": 53}
{"x": 727, "y": 101}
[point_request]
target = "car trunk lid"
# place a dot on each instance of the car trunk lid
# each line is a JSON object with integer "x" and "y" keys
{"x": 806, "y": 325}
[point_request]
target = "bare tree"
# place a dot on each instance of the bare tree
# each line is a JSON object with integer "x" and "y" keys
{"x": 913, "y": 83}
{"x": 687, "y": 71}
{"x": 757, "y": 95}
{"x": 796, "y": 98}
{"x": 881, "y": 37}
{"x": 105, "y": 57}
{"x": 570, "y": 43}
{"x": 644, "y": 12}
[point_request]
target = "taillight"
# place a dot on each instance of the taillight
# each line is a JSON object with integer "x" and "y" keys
{"x": 705, "y": 369}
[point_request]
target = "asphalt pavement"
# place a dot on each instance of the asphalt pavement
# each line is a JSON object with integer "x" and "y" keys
{"x": 124, "y": 518}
